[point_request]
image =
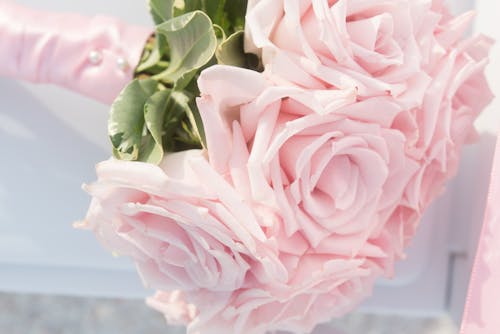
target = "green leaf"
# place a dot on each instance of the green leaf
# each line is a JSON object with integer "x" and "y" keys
{"x": 236, "y": 11}
{"x": 192, "y": 43}
{"x": 154, "y": 115}
{"x": 178, "y": 108}
{"x": 126, "y": 122}
{"x": 152, "y": 59}
{"x": 161, "y": 10}
{"x": 192, "y": 5}
{"x": 185, "y": 80}
{"x": 196, "y": 123}
{"x": 228, "y": 14}
{"x": 231, "y": 51}
{"x": 219, "y": 33}
{"x": 180, "y": 100}
{"x": 215, "y": 10}
{"x": 149, "y": 151}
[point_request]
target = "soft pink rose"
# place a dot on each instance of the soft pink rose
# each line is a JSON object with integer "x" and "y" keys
{"x": 184, "y": 225}
{"x": 323, "y": 289}
{"x": 350, "y": 176}
{"x": 438, "y": 129}
{"x": 222, "y": 261}
{"x": 379, "y": 47}
{"x": 330, "y": 167}
{"x": 412, "y": 50}
{"x": 325, "y": 175}
{"x": 174, "y": 307}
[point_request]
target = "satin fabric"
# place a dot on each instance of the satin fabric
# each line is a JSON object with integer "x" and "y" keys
{"x": 46, "y": 47}
{"x": 483, "y": 301}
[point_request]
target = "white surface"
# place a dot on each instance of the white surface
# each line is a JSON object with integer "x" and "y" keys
{"x": 51, "y": 140}
{"x": 40, "y": 196}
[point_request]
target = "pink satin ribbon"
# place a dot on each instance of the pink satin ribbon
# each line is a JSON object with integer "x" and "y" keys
{"x": 45, "y": 47}
{"x": 482, "y": 309}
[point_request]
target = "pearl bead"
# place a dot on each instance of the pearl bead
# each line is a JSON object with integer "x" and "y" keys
{"x": 122, "y": 63}
{"x": 95, "y": 57}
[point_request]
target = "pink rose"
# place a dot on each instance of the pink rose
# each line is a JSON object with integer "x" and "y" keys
{"x": 412, "y": 49}
{"x": 330, "y": 167}
{"x": 323, "y": 289}
{"x": 345, "y": 174}
{"x": 379, "y": 47}
{"x": 327, "y": 176}
{"x": 439, "y": 128}
{"x": 184, "y": 225}
{"x": 174, "y": 307}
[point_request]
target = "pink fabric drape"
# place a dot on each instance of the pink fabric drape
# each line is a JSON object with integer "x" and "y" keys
{"x": 482, "y": 310}
{"x": 92, "y": 56}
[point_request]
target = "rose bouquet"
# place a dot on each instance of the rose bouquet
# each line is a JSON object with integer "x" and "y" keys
{"x": 265, "y": 176}
{"x": 273, "y": 158}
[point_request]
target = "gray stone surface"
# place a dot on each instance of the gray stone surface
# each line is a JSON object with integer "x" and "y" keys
{"x": 33, "y": 314}
{"x": 376, "y": 324}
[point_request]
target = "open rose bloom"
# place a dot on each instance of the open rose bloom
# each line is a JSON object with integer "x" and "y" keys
{"x": 316, "y": 172}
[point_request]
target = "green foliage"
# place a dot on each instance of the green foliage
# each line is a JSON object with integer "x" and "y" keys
{"x": 161, "y": 10}
{"x": 157, "y": 113}
{"x": 192, "y": 42}
{"x": 126, "y": 122}
{"x": 231, "y": 52}
{"x": 147, "y": 120}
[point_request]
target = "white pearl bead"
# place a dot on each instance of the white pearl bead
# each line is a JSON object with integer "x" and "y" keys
{"x": 95, "y": 57}
{"x": 122, "y": 63}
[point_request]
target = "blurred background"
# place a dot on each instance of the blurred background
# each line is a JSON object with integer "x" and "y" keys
{"x": 54, "y": 279}
{"x": 23, "y": 314}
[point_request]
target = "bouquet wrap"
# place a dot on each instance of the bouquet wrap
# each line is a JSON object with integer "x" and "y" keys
{"x": 483, "y": 301}
{"x": 94, "y": 56}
